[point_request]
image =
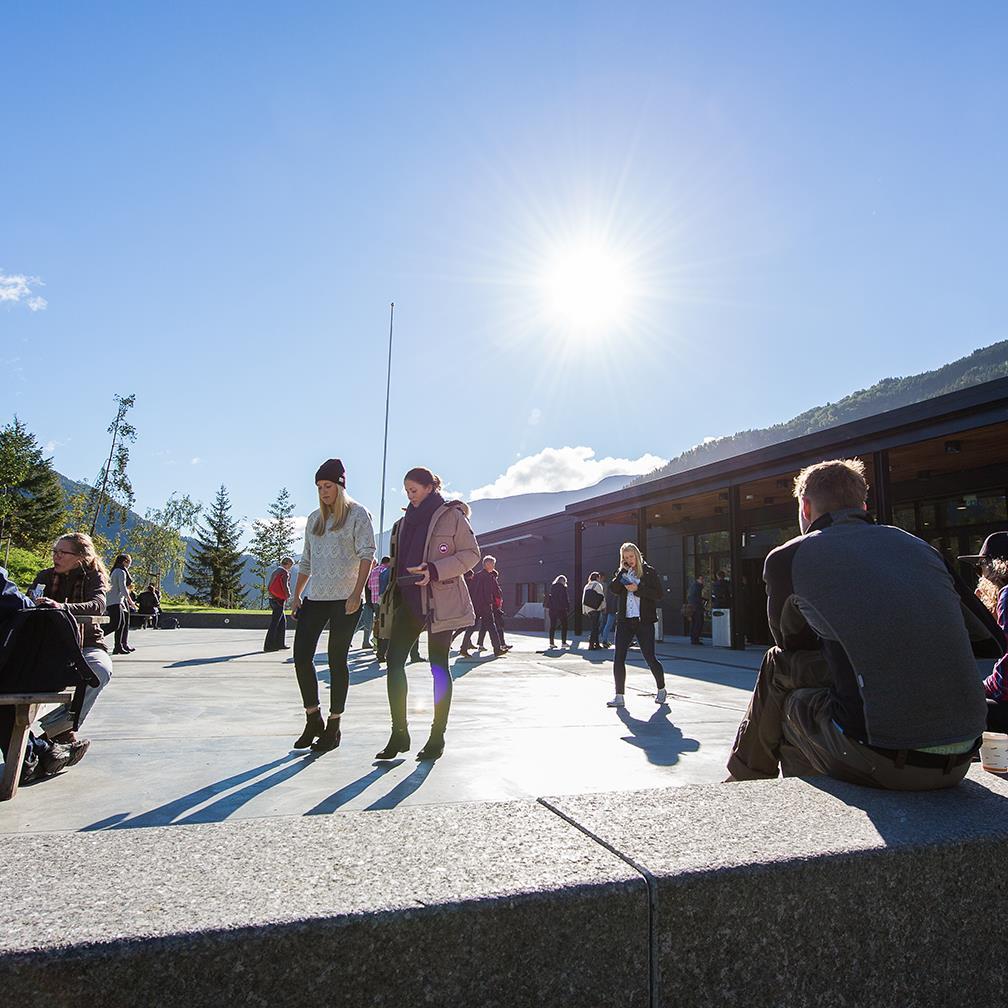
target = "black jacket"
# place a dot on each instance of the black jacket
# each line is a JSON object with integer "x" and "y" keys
{"x": 482, "y": 589}
{"x": 559, "y": 600}
{"x": 650, "y": 591}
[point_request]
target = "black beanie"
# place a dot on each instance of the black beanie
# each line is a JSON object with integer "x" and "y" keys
{"x": 332, "y": 470}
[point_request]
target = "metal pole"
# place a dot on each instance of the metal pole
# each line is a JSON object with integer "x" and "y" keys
{"x": 388, "y": 388}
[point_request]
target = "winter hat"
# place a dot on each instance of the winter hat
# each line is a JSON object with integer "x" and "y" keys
{"x": 332, "y": 470}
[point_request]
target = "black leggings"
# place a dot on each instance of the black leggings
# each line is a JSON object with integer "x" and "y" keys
{"x": 626, "y": 630}
{"x": 558, "y": 620}
{"x": 406, "y": 630}
{"x": 311, "y": 620}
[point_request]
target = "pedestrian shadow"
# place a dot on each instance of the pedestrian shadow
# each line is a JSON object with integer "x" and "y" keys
{"x": 350, "y": 791}
{"x": 407, "y": 786}
{"x": 659, "y": 739}
{"x": 211, "y": 661}
{"x": 168, "y": 814}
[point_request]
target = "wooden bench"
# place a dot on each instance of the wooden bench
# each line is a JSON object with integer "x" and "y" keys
{"x": 26, "y": 707}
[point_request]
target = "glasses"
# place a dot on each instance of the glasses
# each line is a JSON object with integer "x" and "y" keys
{"x": 59, "y": 552}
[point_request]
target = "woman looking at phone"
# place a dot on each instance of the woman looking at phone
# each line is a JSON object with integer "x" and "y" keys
{"x": 338, "y": 549}
{"x": 432, "y": 548}
{"x": 638, "y": 591}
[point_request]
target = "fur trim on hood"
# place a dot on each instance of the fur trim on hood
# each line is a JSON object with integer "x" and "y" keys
{"x": 460, "y": 505}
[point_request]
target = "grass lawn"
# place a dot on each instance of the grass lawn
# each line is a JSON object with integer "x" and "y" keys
{"x": 185, "y": 607}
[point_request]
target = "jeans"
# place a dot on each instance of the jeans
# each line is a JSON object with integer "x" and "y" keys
{"x": 368, "y": 615}
{"x": 609, "y": 627}
{"x": 487, "y": 623}
{"x": 406, "y": 630}
{"x": 312, "y": 618}
{"x": 696, "y": 624}
{"x": 60, "y": 719}
{"x": 276, "y": 636}
{"x": 558, "y": 620}
{"x": 118, "y": 624}
{"x": 627, "y": 629}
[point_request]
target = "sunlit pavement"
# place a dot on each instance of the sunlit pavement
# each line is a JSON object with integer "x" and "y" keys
{"x": 196, "y": 726}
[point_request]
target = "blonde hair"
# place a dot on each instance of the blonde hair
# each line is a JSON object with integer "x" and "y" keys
{"x": 993, "y": 579}
{"x": 638, "y": 557}
{"x": 86, "y": 550}
{"x": 338, "y": 512}
{"x": 833, "y": 485}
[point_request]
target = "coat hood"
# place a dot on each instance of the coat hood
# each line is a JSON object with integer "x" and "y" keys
{"x": 459, "y": 505}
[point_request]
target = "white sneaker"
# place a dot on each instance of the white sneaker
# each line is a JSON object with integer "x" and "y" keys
{"x": 617, "y": 701}
{"x": 661, "y": 696}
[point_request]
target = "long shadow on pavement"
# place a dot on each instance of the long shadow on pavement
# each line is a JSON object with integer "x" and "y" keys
{"x": 349, "y": 791}
{"x": 167, "y": 814}
{"x": 403, "y": 789}
{"x": 661, "y": 741}
{"x": 189, "y": 662}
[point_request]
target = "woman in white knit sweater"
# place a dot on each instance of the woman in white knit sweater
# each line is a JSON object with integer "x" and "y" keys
{"x": 338, "y": 550}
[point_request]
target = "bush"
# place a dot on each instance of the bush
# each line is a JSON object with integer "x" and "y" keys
{"x": 23, "y": 565}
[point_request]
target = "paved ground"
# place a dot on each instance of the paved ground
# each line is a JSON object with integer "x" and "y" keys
{"x": 196, "y": 726}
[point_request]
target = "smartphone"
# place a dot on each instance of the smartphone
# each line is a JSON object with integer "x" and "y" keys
{"x": 36, "y": 591}
{"x": 409, "y": 579}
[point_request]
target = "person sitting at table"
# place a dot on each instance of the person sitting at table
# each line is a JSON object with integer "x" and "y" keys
{"x": 149, "y": 603}
{"x": 77, "y": 582}
{"x": 43, "y": 757}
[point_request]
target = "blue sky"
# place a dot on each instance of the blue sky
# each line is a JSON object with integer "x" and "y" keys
{"x": 220, "y": 201}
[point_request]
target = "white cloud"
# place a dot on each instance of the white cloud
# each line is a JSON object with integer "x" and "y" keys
{"x": 555, "y": 469}
{"x": 534, "y": 417}
{"x": 17, "y": 287}
{"x": 195, "y": 460}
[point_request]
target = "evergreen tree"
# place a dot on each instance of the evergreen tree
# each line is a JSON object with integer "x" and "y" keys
{"x": 32, "y": 502}
{"x": 156, "y": 543}
{"x": 215, "y": 568}
{"x": 272, "y": 540}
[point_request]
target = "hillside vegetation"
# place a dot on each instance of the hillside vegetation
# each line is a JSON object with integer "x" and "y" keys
{"x": 980, "y": 366}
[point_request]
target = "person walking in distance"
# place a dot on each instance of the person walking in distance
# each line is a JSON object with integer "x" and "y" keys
{"x": 559, "y": 607}
{"x": 372, "y": 599}
{"x": 593, "y": 606}
{"x": 278, "y": 589}
{"x": 339, "y": 547}
{"x": 609, "y": 627}
{"x": 432, "y": 547}
{"x": 484, "y": 590}
{"x": 638, "y": 591}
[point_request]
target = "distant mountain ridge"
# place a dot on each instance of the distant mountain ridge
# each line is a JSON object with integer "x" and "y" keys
{"x": 983, "y": 365}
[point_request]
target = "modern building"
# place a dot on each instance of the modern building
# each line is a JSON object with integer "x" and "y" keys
{"x": 938, "y": 469}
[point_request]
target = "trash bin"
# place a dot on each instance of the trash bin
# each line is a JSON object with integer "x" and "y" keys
{"x": 659, "y": 630}
{"x": 721, "y": 627}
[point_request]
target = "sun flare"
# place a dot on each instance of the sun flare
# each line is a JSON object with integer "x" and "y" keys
{"x": 587, "y": 287}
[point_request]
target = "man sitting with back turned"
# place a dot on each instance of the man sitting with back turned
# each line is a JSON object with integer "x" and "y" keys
{"x": 873, "y": 679}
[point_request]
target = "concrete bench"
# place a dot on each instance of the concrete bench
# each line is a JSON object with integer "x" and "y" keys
{"x": 26, "y": 706}
{"x": 778, "y": 893}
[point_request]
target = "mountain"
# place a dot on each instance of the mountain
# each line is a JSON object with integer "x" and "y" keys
{"x": 985, "y": 364}
{"x": 168, "y": 584}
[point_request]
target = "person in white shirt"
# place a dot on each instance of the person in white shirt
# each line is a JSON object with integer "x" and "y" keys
{"x": 338, "y": 552}
{"x": 593, "y": 608}
{"x": 638, "y": 591}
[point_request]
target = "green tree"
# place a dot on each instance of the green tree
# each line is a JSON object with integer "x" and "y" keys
{"x": 32, "y": 502}
{"x": 114, "y": 491}
{"x": 272, "y": 540}
{"x": 78, "y": 519}
{"x": 214, "y": 570}
{"x": 156, "y": 543}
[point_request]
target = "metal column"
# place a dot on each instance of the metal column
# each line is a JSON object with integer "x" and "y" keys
{"x": 642, "y": 529}
{"x": 575, "y": 588}
{"x": 882, "y": 490}
{"x": 735, "y": 546}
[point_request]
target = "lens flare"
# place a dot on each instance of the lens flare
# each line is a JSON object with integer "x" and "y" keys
{"x": 586, "y": 287}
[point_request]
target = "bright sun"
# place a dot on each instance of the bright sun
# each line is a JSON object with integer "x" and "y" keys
{"x": 587, "y": 287}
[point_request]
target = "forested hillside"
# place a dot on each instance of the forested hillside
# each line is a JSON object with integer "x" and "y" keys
{"x": 980, "y": 366}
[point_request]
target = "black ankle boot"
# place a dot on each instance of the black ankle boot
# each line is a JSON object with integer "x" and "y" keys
{"x": 330, "y": 738}
{"x": 399, "y": 742}
{"x": 434, "y": 747}
{"x": 314, "y": 727}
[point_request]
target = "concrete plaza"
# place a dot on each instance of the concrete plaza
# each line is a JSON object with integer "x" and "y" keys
{"x": 196, "y": 727}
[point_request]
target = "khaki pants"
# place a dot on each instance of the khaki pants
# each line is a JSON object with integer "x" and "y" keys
{"x": 789, "y": 727}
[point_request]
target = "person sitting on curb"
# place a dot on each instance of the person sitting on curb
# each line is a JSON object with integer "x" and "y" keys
{"x": 873, "y": 678}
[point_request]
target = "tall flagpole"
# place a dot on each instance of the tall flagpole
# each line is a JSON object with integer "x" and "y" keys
{"x": 388, "y": 388}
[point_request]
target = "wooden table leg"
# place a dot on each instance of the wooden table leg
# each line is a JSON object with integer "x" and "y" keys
{"x": 24, "y": 715}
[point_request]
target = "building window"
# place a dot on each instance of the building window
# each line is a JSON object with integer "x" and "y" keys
{"x": 528, "y": 592}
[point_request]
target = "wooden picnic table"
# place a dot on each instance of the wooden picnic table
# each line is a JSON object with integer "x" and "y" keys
{"x": 26, "y": 707}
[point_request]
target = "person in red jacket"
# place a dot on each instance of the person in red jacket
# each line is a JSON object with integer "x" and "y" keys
{"x": 278, "y": 589}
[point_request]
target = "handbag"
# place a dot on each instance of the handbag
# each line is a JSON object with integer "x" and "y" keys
{"x": 592, "y": 599}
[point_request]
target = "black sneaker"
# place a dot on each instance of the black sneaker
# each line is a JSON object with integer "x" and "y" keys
{"x": 55, "y": 759}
